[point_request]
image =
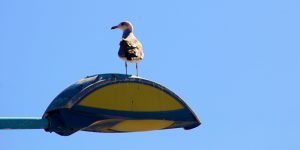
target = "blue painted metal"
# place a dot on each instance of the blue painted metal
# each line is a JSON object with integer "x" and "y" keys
{"x": 23, "y": 123}
{"x": 66, "y": 117}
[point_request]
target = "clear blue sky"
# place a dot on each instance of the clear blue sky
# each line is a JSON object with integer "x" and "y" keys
{"x": 236, "y": 63}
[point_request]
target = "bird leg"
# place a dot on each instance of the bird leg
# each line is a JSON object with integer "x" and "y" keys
{"x": 126, "y": 67}
{"x": 137, "y": 69}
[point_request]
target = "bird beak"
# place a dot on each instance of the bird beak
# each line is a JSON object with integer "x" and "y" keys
{"x": 114, "y": 27}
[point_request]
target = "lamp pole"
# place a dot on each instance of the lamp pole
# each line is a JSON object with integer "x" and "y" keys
{"x": 23, "y": 123}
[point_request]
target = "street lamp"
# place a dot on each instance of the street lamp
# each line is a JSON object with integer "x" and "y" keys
{"x": 111, "y": 103}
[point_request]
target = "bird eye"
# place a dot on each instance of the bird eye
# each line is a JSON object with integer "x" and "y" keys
{"x": 122, "y": 23}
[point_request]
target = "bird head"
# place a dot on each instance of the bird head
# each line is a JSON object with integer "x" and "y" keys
{"x": 126, "y": 25}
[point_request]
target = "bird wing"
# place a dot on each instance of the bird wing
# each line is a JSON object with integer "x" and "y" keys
{"x": 131, "y": 49}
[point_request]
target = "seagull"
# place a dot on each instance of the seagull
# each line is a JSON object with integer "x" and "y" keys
{"x": 130, "y": 48}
